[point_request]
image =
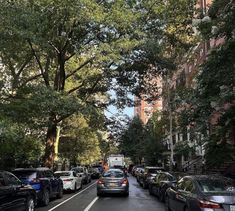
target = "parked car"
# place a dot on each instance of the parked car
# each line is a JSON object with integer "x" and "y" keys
{"x": 160, "y": 183}
{"x": 148, "y": 174}
{"x": 202, "y": 193}
{"x": 113, "y": 181}
{"x": 95, "y": 173}
{"x": 71, "y": 181}
{"x": 133, "y": 171}
{"x": 82, "y": 171}
{"x": 138, "y": 172}
{"x": 46, "y": 184}
{"x": 14, "y": 195}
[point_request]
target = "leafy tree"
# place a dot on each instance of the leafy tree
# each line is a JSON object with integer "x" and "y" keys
{"x": 57, "y": 55}
{"x": 132, "y": 140}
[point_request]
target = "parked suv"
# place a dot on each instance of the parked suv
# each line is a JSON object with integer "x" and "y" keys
{"x": 43, "y": 181}
{"x": 14, "y": 195}
{"x": 81, "y": 170}
{"x": 148, "y": 174}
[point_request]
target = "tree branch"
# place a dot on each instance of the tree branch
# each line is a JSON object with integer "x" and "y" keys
{"x": 30, "y": 79}
{"x": 39, "y": 64}
{"x": 23, "y": 65}
{"x": 76, "y": 88}
{"x": 80, "y": 67}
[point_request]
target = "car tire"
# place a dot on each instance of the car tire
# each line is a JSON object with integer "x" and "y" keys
{"x": 75, "y": 188}
{"x": 167, "y": 204}
{"x": 161, "y": 196}
{"x": 45, "y": 198}
{"x": 30, "y": 206}
{"x": 80, "y": 186}
{"x": 99, "y": 194}
{"x": 150, "y": 190}
{"x": 144, "y": 185}
{"x": 126, "y": 194}
{"x": 60, "y": 193}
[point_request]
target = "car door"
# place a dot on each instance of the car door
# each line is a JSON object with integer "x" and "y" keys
{"x": 184, "y": 194}
{"x": 5, "y": 194}
{"x": 15, "y": 192}
{"x": 53, "y": 181}
{"x": 78, "y": 179}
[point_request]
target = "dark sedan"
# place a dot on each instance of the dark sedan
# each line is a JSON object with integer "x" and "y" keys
{"x": 14, "y": 196}
{"x": 202, "y": 193}
{"x": 113, "y": 181}
{"x": 161, "y": 183}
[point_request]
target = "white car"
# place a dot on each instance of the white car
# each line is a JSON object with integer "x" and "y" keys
{"x": 70, "y": 180}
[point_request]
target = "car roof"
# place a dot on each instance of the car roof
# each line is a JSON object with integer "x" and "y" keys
{"x": 32, "y": 169}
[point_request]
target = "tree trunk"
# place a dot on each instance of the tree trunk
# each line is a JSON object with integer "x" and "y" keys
{"x": 50, "y": 146}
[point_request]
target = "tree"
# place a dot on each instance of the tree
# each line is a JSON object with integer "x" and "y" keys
{"x": 132, "y": 140}
{"x": 68, "y": 51}
{"x": 212, "y": 102}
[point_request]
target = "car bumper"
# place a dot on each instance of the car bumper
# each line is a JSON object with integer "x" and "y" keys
{"x": 103, "y": 190}
{"x": 67, "y": 186}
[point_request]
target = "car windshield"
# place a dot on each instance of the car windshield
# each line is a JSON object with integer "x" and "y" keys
{"x": 216, "y": 185}
{"x": 79, "y": 170}
{"x": 153, "y": 171}
{"x": 63, "y": 174}
{"x": 116, "y": 174}
{"x": 25, "y": 174}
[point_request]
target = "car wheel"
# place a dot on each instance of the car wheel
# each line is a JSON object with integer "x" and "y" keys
{"x": 99, "y": 194}
{"x": 161, "y": 196}
{"x": 167, "y": 203}
{"x": 144, "y": 185}
{"x": 81, "y": 186}
{"x": 60, "y": 193}
{"x": 150, "y": 190}
{"x": 126, "y": 194}
{"x": 186, "y": 209}
{"x": 45, "y": 198}
{"x": 75, "y": 188}
{"x": 30, "y": 206}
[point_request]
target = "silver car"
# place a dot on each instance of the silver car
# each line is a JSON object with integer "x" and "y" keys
{"x": 113, "y": 181}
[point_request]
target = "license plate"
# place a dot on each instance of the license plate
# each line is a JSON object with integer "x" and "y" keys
{"x": 113, "y": 185}
{"x": 232, "y": 207}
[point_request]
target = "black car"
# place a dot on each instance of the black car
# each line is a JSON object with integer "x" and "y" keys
{"x": 148, "y": 174}
{"x": 202, "y": 193}
{"x": 46, "y": 184}
{"x": 14, "y": 196}
{"x": 95, "y": 173}
{"x": 161, "y": 183}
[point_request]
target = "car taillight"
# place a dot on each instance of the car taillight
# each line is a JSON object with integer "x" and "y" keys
{"x": 125, "y": 182}
{"x": 68, "y": 180}
{"x": 209, "y": 204}
{"x": 100, "y": 182}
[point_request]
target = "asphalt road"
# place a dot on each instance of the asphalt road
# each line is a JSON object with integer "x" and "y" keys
{"x": 86, "y": 200}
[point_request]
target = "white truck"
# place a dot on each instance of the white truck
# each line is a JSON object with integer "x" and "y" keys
{"x": 116, "y": 160}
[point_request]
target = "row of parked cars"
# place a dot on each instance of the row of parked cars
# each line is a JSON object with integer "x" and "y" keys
{"x": 24, "y": 188}
{"x": 182, "y": 192}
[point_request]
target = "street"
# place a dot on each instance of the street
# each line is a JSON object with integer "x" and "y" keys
{"x": 86, "y": 200}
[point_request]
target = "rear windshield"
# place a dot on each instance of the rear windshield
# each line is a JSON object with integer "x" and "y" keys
{"x": 63, "y": 174}
{"x": 116, "y": 174}
{"x": 217, "y": 185}
{"x": 153, "y": 171}
{"x": 25, "y": 174}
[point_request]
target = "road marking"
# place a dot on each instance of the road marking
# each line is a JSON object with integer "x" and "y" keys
{"x": 71, "y": 197}
{"x": 91, "y": 204}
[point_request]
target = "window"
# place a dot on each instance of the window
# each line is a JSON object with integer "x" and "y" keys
{"x": 188, "y": 186}
{"x": 12, "y": 180}
{"x": 48, "y": 174}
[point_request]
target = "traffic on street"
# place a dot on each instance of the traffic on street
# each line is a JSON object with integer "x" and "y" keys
{"x": 87, "y": 200}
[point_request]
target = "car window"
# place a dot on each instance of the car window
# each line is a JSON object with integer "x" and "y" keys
{"x": 63, "y": 174}
{"x": 11, "y": 179}
{"x": 25, "y": 174}
{"x": 2, "y": 182}
{"x": 116, "y": 174}
{"x": 48, "y": 174}
{"x": 216, "y": 185}
{"x": 188, "y": 186}
{"x": 180, "y": 184}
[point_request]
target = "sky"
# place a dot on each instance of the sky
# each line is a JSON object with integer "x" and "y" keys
{"x": 112, "y": 111}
